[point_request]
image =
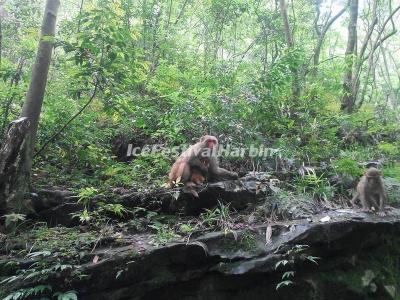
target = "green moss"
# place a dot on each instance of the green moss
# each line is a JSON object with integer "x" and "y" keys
{"x": 248, "y": 241}
{"x": 228, "y": 244}
{"x": 162, "y": 277}
{"x": 59, "y": 241}
{"x": 244, "y": 242}
{"x": 382, "y": 261}
{"x": 385, "y": 261}
{"x": 8, "y": 267}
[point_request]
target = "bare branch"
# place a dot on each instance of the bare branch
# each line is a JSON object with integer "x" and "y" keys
{"x": 55, "y": 135}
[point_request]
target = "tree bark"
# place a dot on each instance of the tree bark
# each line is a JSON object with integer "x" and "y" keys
{"x": 34, "y": 97}
{"x": 286, "y": 26}
{"x": 367, "y": 82}
{"x": 31, "y": 110}
{"x": 354, "y": 67}
{"x": 10, "y": 165}
{"x": 392, "y": 91}
{"x": 290, "y": 45}
{"x": 321, "y": 33}
{"x": 348, "y": 100}
{"x": 1, "y": 39}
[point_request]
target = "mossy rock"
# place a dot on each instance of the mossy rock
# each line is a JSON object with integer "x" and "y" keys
{"x": 289, "y": 206}
{"x": 393, "y": 189}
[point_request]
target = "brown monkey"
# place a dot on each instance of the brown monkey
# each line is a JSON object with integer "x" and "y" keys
{"x": 371, "y": 191}
{"x": 199, "y": 173}
{"x": 193, "y": 158}
{"x": 181, "y": 170}
{"x": 197, "y": 177}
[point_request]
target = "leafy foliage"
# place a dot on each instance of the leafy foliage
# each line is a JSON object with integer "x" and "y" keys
{"x": 293, "y": 256}
{"x": 156, "y": 79}
{"x": 166, "y": 72}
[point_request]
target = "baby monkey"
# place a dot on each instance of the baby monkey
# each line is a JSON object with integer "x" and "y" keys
{"x": 371, "y": 192}
{"x": 199, "y": 170}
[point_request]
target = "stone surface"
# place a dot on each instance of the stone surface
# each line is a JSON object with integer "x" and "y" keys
{"x": 392, "y": 186}
{"x": 51, "y": 205}
{"x": 348, "y": 247}
{"x": 333, "y": 254}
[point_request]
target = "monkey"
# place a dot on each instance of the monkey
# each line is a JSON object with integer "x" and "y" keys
{"x": 371, "y": 192}
{"x": 193, "y": 160}
{"x": 190, "y": 159}
{"x": 199, "y": 174}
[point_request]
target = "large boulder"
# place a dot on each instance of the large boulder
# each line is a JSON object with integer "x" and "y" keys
{"x": 340, "y": 254}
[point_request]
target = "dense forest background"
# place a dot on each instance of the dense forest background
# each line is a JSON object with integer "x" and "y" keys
{"x": 315, "y": 82}
{"x": 318, "y": 81}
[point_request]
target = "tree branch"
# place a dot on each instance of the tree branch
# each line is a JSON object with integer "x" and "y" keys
{"x": 55, "y": 135}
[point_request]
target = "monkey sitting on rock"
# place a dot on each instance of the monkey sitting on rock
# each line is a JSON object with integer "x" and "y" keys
{"x": 371, "y": 192}
{"x": 198, "y": 163}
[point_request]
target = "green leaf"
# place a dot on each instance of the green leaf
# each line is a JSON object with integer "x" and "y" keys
{"x": 70, "y": 295}
{"x": 288, "y": 274}
{"x": 283, "y": 262}
{"x": 284, "y": 283}
{"x": 313, "y": 259}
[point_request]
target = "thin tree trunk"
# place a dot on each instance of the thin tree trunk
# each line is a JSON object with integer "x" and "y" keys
{"x": 181, "y": 12}
{"x": 388, "y": 80}
{"x": 396, "y": 66}
{"x": 351, "y": 82}
{"x": 286, "y": 26}
{"x": 1, "y": 39}
{"x": 144, "y": 26}
{"x": 31, "y": 111}
{"x": 80, "y": 17}
{"x": 321, "y": 33}
{"x": 357, "y": 70}
{"x": 367, "y": 81}
{"x": 169, "y": 15}
{"x": 7, "y": 107}
{"x": 348, "y": 100}
{"x": 155, "y": 44}
{"x": 290, "y": 44}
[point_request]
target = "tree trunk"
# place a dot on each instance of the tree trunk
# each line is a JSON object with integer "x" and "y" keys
{"x": 321, "y": 33}
{"x": 11, "y": 157}
{"x": 392, "y": 92}
{"x": 348, "y": 99}
{"x": 367, "y": 82}
{"x": 31, "y": 110}
{"x": 290, "y": 45}
{"x": 286, "y": 26}
{"x": 1, "y": 40}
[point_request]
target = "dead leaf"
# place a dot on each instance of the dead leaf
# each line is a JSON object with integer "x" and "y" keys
{"x": 268, "y": 235}
{"x": 325, "y": 219}
{"x": 96, "y": 259}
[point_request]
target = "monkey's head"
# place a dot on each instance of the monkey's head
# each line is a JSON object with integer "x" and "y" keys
{"x": 372, "y": 173}
{"x": 209, "y": 141}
